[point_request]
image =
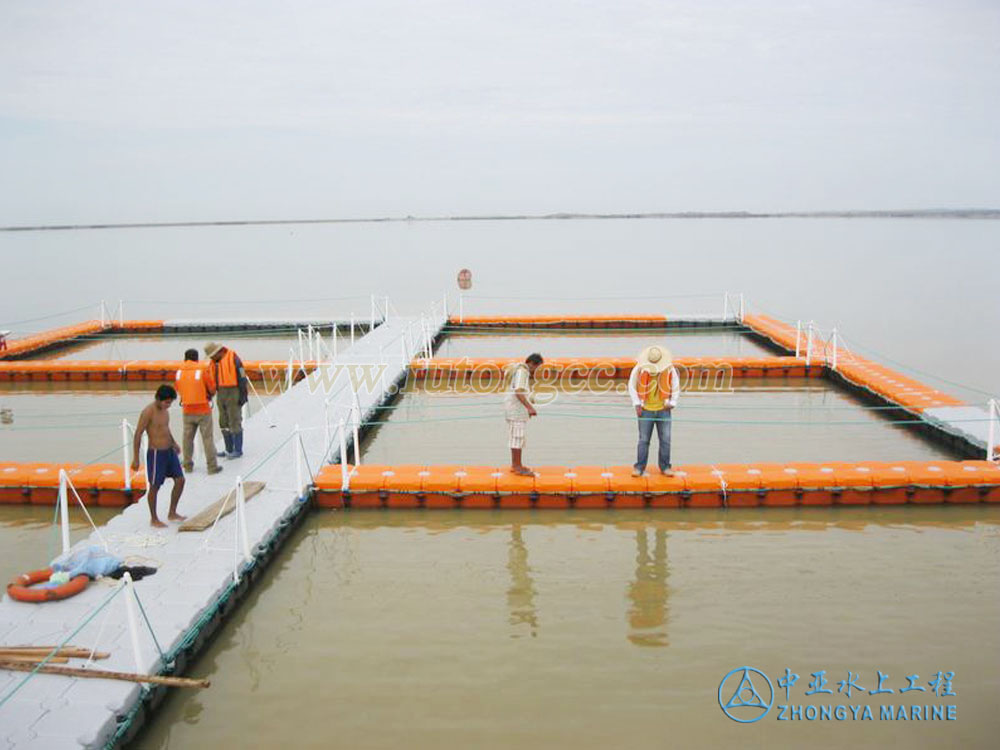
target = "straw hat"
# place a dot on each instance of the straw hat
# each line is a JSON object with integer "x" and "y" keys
{"x": 211, "y": 349}
{"x": 655, "y": 359}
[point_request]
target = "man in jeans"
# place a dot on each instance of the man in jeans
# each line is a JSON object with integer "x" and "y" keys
{"x": 653, "y": 387}
{"x": 196, "y": 385}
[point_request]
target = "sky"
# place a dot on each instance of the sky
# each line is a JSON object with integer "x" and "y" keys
{"x": 156, "y": 111}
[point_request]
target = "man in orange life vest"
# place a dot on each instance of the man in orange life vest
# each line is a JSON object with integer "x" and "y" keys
{"x": 653, "y": 387}
{"x": 231, "y": 380}
{"x": 195, "y": 384}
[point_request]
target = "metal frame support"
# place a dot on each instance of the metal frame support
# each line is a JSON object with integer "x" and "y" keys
{"x": 343, "y": 455}
{"x": 64, "y": 509}
{"x": 126, "y": 464}
{"x": 743, "y": 307}
{"x": 798, "y": 338}
{"x": 725, "y": 305}
{"x": 352, "y": 329}
{"x": 809, "y": 344}
{"x": 833, "y": 341}
{"x": 993, "y": 409}
{"x": 133, "y": 621}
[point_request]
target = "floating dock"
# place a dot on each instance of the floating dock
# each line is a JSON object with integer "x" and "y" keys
{"x": 299, "y": 448}
{"x": 200, "y": 575}
{"x": 96, "y": 330}
{"x": 696, "y": 486}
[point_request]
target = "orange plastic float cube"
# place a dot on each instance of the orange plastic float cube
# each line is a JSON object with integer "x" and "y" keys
{"x": 439, "y": 485}
{"x": 401, "y": 488}
{"x": 742, "y": 487}
{"x": 365, "y": 484}
{"x": 779, "y": 483}
{"x": 985, "y": 477}
{"x": 927, "y": 481}
{"x": 515, "y": 491}
{"x": 628, "y": 491}
{"x": 13, "y": 484}
{"x": 552, "y": 487}
{"x": 591, "y": 486}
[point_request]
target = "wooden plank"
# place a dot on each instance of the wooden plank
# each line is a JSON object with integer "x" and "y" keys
{"x": 205, "y": 518}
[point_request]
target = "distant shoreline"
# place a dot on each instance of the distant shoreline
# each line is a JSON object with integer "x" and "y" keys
{"x": 921, "y": 213}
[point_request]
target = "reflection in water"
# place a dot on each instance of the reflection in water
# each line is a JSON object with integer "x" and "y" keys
{"x": 647, "y": 616}
{"x": 521, "y": 594}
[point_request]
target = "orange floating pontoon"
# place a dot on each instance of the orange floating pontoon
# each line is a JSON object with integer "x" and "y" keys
{"x": 97, "y": 484}
{"x": 707, "y": 486}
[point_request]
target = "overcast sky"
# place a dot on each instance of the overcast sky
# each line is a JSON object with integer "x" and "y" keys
{"x": 131, "y": 111}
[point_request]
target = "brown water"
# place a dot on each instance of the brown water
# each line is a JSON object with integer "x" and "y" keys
{"x": 249, "y": 345}
{"x": 771, "y": 419}
{"x": 82, "y": 421}
{"x": 595, "y": 630}
{"x": 682, "y": 343}
{"x": 459, "y": 629}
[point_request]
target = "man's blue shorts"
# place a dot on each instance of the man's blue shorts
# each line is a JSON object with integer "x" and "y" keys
{"x": 160, "y": 464}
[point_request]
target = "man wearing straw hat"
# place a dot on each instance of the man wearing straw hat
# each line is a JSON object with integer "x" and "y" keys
{"x": 653, "y": 387}
{"x": 231, "y": 380}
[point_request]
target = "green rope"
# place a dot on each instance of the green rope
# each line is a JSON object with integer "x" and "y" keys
{"x": 56, "y": 650}
{"x": 675, "y": 420}
{"x": 150, "y": 626}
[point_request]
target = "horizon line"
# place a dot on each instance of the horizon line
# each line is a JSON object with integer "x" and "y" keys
{"x": 915, "y": 213}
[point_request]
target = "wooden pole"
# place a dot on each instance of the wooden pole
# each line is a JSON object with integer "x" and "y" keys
{"x": 34, "y": 658}
{"x": 101, "y": 674}
{"x": 70, "y": 651}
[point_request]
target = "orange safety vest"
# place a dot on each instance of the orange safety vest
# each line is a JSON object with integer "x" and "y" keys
{"x": 195, "y": 385}
{"x": 225, "y": 370}
{"x": 664, "y": 381}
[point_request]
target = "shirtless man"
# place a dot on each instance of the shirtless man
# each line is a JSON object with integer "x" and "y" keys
{"x": 161, "y": 453}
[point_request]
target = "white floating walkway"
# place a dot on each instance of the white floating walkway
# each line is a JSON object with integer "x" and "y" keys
{"x": 192, "y": 589}
{"x": 206, "y": 325}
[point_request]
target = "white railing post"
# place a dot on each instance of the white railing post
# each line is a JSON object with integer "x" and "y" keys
{"x": 241, "y": 510}
{"x": 385, "y": 314}
{"x": 121, "y": 313}
{"x": 126, "y": 463}
{"x": 103, "y": 315}
{"x": 133, "y": 622}
{"x": 373, "y": 314}
{"x": 290, "y": 376}
{"x": 991, "y": 440}
{"x": 299, "y": 482}
{"x": 725, "y": 305}
{"x": 382, "y": 366}
{"x": 64, "y": 509}
{"x": 833, "y": 338}
{"x": 743, "y": 307}
{"x": 333, "y": 342}
{"x": 809, "y": 344}
{"x": 343, "y": 453}
{"x": 356, "y": 410}
{"x": 798, "y": 338}
{"x": 352, "y": 329}
{"x": 313, "y": 354}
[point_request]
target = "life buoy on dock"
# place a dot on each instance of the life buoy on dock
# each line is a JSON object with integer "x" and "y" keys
{"x": 22, "y": 588}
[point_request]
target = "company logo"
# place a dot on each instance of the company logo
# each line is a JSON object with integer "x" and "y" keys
{"x": 746, "y": 695}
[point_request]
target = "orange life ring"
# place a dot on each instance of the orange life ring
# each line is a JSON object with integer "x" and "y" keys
{"x": 21, "y": 590}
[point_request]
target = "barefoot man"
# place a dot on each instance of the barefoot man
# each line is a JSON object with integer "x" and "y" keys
{"x": 518, "y": 409}
{"x": 161, "y": 454}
